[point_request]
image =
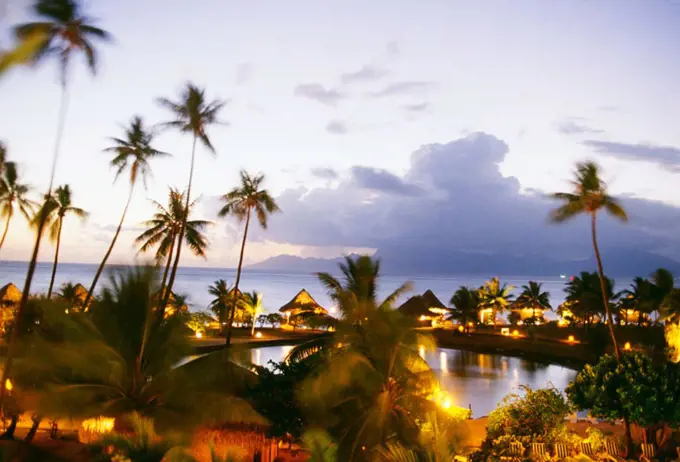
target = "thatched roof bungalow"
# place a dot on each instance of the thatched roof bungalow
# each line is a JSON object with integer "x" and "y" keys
{"x": 426, "y": 307}
{"x": 301, "y": 303}
{"x": 10, "y": 295}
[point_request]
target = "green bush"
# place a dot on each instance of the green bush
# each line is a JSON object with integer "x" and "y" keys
{"x": 539, "y": 414}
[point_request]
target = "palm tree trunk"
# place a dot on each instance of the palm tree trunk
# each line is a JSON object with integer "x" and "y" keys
{"x": 171, "y": 251}
{"x": 610, "y": 322}
{"x": 100, "y": 269}
{"x": 180, "y": 236}
{"x": 34, "y": 428}
{"x": 238, "y": 279}
{"x": 603, "y": 288}
{"x": 4, "y": 234}
{"x": 56, "y": 258}
{"x": 42, "y": 219}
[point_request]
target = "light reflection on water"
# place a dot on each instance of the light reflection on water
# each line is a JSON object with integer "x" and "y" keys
{"x": 472, "y": 379}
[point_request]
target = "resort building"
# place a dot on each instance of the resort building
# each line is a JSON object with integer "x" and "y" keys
{"x": 426, "y": 308}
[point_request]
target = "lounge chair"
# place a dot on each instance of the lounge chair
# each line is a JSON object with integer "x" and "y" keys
{"x": 587, "y": 450}
{"x": 561, "y": 451}
{"x": 648, "y": 452}
{"x": 514, "y": 453}
{"x": 539, "y": 452}
{"x": 612, "y": 451}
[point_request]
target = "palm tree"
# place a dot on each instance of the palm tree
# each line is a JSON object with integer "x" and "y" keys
{"x": 494, "y": 296}
{"x": 220, "y": 304}
{"x": 241, "y": 202}
{"x": 13, "y": 197}
{"x": 193, "y": 114}
{"x": 465, "y": 303}
{"x": 163, "y": 229}
{"x": 590, "y": 197}
{"x": 640, "y": 298}
{"x": 58, "y": 206}
{"x": 133, "y": 153}
{"x": 584, "y": 294}
{"x": 533, "y": 298}
{"x": 68, "y": 31}
{"x": 117, "y": 359}
{"x": 356, "y": 298}
{"x": 252, "y": 303}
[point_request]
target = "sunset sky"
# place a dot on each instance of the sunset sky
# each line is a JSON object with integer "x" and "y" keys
{"x": 377, "y": 124}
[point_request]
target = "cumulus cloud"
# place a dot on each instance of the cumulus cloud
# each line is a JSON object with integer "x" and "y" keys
{"x": 411, "y": 87}
{"x": 325, "y": 173}
{"x": 376, "y": 179}
{"x": 336, "y": 127}
{"x": 573, "y": 127}
{"x": 319, "y": 93}
{"x": 365, "y": 74}
{"x": 665, "y": 156}
{"x": 454, "y": 198}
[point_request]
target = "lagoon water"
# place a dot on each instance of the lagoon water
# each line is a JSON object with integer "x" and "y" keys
{"x": 476, "y": 380}
{"x": 278, "y": 288}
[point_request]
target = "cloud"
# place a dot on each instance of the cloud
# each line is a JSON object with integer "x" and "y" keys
{"x": 380, "y": 180}
{"x": 572, "y": 127}
{"x": 665, "y": 156}
{"x": 319, "y": 93}
{"x": 365, "y": 74}
{"x": 412, "y": 87}
{"x": 325, "y": 173}
{"x": 453, "y": 198}
{"x": 244, "y": 73}
{"x": 418, "y": 107}
{"x": 336, "y": 127}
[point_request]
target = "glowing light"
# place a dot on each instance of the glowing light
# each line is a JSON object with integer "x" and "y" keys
{"x": 515, "y": 333}
{"x": 258, "y": 334}
{"x": 571, "y": 339}
{"x": 8, "y": 385}
{"x": 199, "y": 334}
{"x": 92, "y": 429}
{"x": 627, "y": 346}
{"x": 443, "y": 363}
{"x": 461, "y": 328}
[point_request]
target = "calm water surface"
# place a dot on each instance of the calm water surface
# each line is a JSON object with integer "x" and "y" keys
{"x": 472, "y": 379}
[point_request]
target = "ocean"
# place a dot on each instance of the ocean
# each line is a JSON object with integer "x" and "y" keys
{"x": 278, "y": 288}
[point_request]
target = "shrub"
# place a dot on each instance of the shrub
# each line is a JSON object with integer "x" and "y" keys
{"x": 539, "y": 414}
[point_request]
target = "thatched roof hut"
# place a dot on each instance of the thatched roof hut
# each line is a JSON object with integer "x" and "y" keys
{"x": 426, "y": 305}
{"x": 302, "y": 302}
{"x": 9, "y": 295}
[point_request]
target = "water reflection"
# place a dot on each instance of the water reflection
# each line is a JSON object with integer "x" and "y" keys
{"x": 471, "y": 379}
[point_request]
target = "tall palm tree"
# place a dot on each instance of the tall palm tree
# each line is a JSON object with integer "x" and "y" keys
{"x": 465, "y": 303}
{"x": 13, "y": 197}
{"x": 133, "y": 153}
{"x": 59, "y": 205}
{"x": 589, "y": 197}
{"x": 533, "y": 298}
{"x": 68, "y": 32}
{"x": 193, "y": 114}
{"x": 163, "y": 229}
{"x": 220, "y": 304}
{"x": 241, "y": 202}
{"x": 252, "y": 303}
{"x": 494, "y": 296}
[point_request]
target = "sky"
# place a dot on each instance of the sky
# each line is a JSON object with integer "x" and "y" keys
{"x": 378, "y": 125}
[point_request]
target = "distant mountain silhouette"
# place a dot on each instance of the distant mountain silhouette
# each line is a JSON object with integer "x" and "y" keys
{"x": 421, "y": 262}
